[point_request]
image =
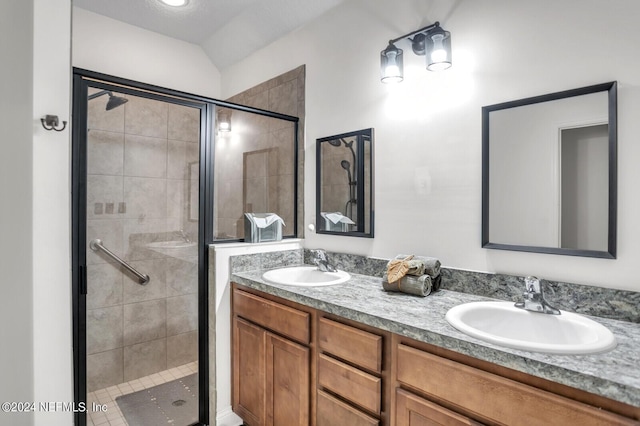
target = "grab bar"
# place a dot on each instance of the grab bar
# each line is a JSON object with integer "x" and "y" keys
{"x": 97, "y": 245}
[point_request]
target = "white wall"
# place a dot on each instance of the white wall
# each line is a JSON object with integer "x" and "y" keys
{"x": 16, "y": 165}
{"x": 112, "y": 47}
{"x": 428, "y": 128}
{"x": 36, "y": 339}
{"x": 52, "y": 320}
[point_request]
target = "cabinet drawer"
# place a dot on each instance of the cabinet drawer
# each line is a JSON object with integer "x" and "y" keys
{"x": 351, "y": 344}
{"x": 274, "y": 316}
{"x": 332, "y": 412}
{"x": 511, "y": 402}
{"x": 414, "y": 411}
{"x": 357, "y": 386}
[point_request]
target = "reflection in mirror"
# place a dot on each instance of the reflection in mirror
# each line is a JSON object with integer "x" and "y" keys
{"x": 344, "y": 185}
{"x": 549, "y": 173}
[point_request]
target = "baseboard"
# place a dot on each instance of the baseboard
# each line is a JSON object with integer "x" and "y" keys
{"x": 226, "y": 417}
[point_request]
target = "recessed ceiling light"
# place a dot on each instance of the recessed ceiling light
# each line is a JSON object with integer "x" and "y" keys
{"x": 175, "y": 3}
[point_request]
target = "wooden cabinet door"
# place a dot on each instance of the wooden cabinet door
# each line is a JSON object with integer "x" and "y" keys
{"x": 249, "y": 375}
{"x": 287, "y": 369}
{"x": 412, "y": 410}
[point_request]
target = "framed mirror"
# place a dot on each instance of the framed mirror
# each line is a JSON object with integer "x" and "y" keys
{"x": 549, "y": 174}
{"x": 344, "y": 184}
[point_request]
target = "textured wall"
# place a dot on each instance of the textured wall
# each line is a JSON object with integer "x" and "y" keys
{"x": 138, "y": 182}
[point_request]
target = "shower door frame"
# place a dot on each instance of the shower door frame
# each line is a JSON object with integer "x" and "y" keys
{"x": 82, "y": 80}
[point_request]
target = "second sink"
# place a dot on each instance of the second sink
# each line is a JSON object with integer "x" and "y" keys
{"x": 503, "y": 324}
{"x": 305, "y": 276}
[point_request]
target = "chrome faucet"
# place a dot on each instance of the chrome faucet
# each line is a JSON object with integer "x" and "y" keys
{"x": 534, "y": 298}
{"x": 319, "y": 258}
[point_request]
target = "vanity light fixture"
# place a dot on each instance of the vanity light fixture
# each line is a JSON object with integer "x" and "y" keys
{"x": 224, "y": 120}
{"x": 431, "y": 41}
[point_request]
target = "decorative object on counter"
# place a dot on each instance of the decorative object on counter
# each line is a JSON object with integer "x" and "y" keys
{"x": 398, "y": 268}
{"x": 423, "y": 285}
{"x": 262, "y": 227}
{"x": 419, "y": 265}
{"x": 418, "y": 275}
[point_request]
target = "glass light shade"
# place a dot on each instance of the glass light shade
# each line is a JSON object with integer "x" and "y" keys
{"x": 438, "y": 49}
{"x": 391, "y": 65}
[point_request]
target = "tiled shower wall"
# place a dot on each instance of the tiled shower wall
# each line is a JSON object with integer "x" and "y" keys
{"x": 254, "y": 163}
{"x": 138, "y": 192}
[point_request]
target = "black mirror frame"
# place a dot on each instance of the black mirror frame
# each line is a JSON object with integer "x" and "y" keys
{"x": 612, "y": 89}
{"x": 360, "y": 170}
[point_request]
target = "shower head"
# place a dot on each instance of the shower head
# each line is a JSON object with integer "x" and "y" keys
{"x": 334, "y": 142}
{"x": 114, "y": 101}
{"x": 347, "y": 166}
{"x": 347, "y": 144}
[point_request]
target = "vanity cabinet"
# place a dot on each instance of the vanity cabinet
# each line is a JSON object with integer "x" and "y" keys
{"x": 294, "y": 365}
{"x": 466, "y": 395}
{"x": 350, "y": 380}
{"x": 271, "y": 362}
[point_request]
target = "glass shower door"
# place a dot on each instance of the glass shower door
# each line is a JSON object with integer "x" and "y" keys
{"x": 141, "y": 259}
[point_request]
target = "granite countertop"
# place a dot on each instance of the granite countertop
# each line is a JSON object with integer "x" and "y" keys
{"x": 614, "y": 374}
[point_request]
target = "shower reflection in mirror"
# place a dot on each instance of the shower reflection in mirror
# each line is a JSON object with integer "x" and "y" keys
{"x": 344, "y": 185}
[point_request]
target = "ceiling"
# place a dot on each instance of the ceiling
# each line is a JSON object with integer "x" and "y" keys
{"x": 227, "y": 30}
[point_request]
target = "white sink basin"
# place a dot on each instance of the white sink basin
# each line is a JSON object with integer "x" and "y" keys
{"x": 503, "y": 324}
{"x": 171, "y": 244}
{"x": 304, "y": 276}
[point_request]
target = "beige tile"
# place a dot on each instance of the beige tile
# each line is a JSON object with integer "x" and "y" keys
{"x": 146, "y": 117}
{"x": 259, "y": 100}
{"x": 282, "y": 153}
{"x": 182, "y": 348}
{"x": 184, "y": 123}
{"x": 256, "y": 164}
{"x": 104, "y": 286}
{"x": 177, "y": 206}
{"x": 146, "y": 198}
{"x": 181, "y": 276}
{"x": 104, "y": 369}
{"x": 110, "y": 233}
{"x": 284, "y": 98}
{"x": 103, "y": 189}
{"x": 180, "y": 155}
{"x": 144, "y": 321}
{"x": 156, "y": 288}
{"x": 255, "y": 199}
{"x": 105, "y": 153}
{"x": 138, "y": 233}
{"x": 145, "y": 156}
{"x": 144, "y": 359}
{"x": 182, "y": 314}
{"x": 104, "y": 329}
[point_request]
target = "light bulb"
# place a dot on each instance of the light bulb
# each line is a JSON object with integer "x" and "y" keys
{"x": 175, "y": 3}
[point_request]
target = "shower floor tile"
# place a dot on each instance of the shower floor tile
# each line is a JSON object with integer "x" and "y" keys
{"x": 113, "y": 416}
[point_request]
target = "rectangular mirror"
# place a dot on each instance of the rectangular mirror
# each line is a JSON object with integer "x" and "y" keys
{"x": 344, "y": 184}
{"x": 549, "y": 173}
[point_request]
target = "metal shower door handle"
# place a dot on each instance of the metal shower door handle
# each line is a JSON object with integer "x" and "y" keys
{"x": 97, "y": 245}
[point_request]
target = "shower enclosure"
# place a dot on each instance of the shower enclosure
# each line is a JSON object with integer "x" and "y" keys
{"x": 141, "y": 255}
{"x": 143, "y": 216}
